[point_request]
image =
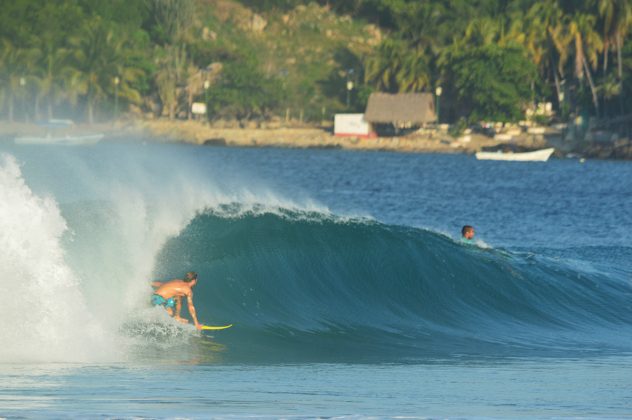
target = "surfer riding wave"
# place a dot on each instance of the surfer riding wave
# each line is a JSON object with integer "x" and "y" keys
{"x": 169, "y": 294}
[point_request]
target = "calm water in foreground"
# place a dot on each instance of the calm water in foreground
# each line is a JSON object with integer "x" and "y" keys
{"x": 342, "y": 272}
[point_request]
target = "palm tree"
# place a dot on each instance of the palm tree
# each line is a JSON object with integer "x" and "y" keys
{"x": 616, "y": 18}
{"x": 54, "y": 72}
{"x": 483, "y": 31}
{"x": 414, "y": 74}
{"x": 380, "y": 68}
{"x": 587, "y": 45}
{"x": 16, "y": 65}
{"x": 397, "y": 69}
{"x": 540, "y": 32}
{"x": 89, "y": 54}
{"x": 99, "y": 57}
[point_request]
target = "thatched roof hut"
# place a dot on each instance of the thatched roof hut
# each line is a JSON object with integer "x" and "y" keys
{"x": 400, "y": 108}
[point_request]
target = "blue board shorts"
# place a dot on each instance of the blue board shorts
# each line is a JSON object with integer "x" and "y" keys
{"x": 160, "y": 301}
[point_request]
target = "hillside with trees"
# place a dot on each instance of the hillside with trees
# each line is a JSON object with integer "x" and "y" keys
{"x": 305, "y": 60}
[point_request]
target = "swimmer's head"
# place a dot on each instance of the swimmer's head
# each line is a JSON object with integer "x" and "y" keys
{"x": 467, "y": 232}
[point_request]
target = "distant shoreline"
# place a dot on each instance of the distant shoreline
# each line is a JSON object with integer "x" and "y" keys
{"x": 421, "y": 141}
{"x": 200, "y": 134}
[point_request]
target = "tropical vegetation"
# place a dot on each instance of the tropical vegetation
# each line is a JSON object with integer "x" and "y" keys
{"x": 305, "y": 59}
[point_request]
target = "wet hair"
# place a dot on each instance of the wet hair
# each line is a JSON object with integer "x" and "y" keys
{"x": 191, "y": 275}
{"x": 465, "y": 229}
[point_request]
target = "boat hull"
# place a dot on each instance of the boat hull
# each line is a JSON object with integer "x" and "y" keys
{"x": 61, "y": 141}
{"x": 536, "y": 156}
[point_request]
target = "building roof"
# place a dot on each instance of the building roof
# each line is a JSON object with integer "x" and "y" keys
{"x": 415, "y": 108}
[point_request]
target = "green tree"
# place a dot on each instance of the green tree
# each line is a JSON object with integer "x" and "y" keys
{"x": 397, "y": 68}
{"x": 616, "y": 21}
{"x": 483, "y": 31}
{"x": 271, "y": 5}
{"x": 53, "y": 23}
{"x": 172, "y": 65}
{"x": 540, "y": 33}
{"x": 587, "y": 44}
{"x": 100, "y": 56}
{"x": 243, "y": 92}
{"x": 170, "y": 20}
{"x": 169, "y": 26}
{"x": 490, "y": 82}
{"x": 616, "y": 16}
{"x": 53, "y": 75}
{"x": 16, "y": 66}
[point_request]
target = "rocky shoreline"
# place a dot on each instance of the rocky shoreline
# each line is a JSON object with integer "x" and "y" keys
{"x": 420, "y": 141}
{"x": 306, "y": 137}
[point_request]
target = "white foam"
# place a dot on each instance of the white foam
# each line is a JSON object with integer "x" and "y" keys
{"x": 44, "y": 314}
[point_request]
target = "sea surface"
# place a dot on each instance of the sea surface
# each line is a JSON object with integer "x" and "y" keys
{"x": 349, "y": 290}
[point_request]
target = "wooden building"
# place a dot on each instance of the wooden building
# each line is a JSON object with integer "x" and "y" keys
{"x": 402, "y": 110}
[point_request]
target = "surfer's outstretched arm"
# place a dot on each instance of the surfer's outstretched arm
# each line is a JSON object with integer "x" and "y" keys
{"x": 178, "y": 305}
{"x": 178, "y": 308}
{"x": 192, "y": 311}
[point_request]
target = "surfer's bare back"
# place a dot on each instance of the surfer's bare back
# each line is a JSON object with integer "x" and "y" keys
{"x": 170, "y": 294}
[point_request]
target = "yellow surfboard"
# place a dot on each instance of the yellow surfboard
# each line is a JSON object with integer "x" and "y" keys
{"x": 216, "y": 327}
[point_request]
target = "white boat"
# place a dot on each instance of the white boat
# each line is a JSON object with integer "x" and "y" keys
{"x": 541, "y": 155}
{"x": 84, "y": 140}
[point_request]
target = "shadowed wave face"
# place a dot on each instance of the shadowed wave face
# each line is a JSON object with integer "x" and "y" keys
{"x": 306, "y": 286}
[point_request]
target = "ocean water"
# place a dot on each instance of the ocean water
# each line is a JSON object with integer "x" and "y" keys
{"x": 342, "y": 272}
